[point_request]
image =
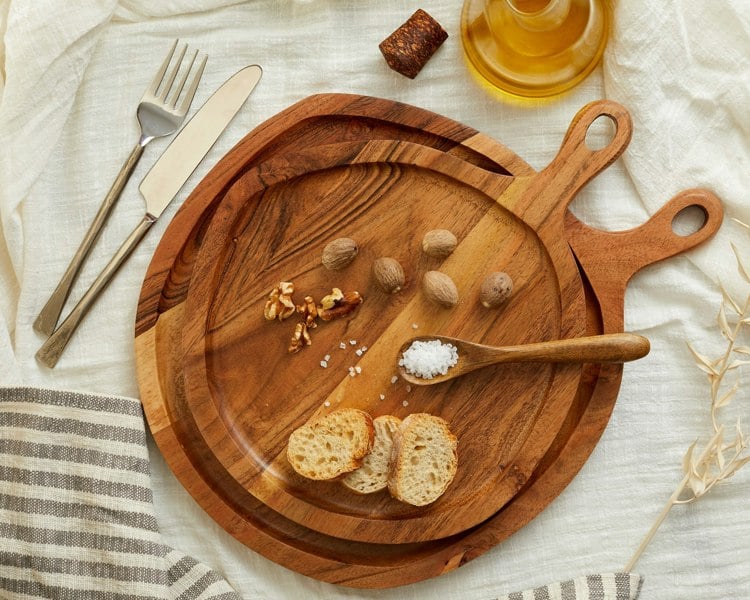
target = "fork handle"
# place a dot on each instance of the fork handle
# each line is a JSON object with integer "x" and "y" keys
{"x": 47, "y": 320}
{"x": 53, "y": 347}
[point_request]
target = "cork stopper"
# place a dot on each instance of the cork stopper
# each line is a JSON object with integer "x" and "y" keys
{"x": 409, "y": 48}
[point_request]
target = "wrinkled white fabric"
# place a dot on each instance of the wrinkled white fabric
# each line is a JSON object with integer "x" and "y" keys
{"x": 682, "y": 71}
{"x": 72, "y": 74}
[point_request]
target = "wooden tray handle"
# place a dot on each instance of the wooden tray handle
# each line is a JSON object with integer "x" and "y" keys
{"x": 611, "y": 258}
{"x": 659, "y": 236}
{"x": 657, "y": 239}
{"x": 546, "y": 196}
{"x": 582, "y": 163}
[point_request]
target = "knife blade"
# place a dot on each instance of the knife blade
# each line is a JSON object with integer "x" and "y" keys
{"x": 186, "y": 151}
{"x": 159, "y": 187}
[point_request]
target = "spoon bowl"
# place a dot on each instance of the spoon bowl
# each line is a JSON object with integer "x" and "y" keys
{"x": 606, "y": 348}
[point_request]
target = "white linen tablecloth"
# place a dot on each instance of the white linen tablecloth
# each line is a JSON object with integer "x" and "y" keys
{"x": 71, "y": 75}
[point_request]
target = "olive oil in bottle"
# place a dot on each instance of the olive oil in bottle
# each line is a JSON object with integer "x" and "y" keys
{"x": 533, "y": 48}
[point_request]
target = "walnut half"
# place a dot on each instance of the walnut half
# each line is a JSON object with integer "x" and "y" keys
{"x": 300, "y": 338}
{"x": 309, "y": 312}
{"x": 280, "y": 304}
{"x": 338, "y": 304}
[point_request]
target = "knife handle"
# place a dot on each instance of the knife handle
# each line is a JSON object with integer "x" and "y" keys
{"x": 47, "y": 320}
{"x": 55, "y": 344}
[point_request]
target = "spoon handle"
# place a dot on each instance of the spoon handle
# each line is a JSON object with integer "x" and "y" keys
{"x": 612, "y": 347}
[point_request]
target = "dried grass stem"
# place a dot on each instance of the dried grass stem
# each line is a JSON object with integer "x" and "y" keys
{"x": 719, "y": 460}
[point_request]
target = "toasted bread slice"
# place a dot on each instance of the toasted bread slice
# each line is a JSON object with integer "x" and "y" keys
{"x": 332, "y": 445}
{"x": 372, "y": 476}
{"x": 424, "y": 459}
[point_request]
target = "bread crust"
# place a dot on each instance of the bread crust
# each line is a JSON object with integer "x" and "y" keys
{"x": 372, "y": 475}
{"x": 332, "y": 445}
{"x": 424, "y": 459}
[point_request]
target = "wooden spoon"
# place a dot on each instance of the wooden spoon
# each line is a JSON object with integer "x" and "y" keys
{"x": 613, "y": 347}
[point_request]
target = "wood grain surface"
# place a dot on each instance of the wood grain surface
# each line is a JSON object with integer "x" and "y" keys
{"x": 160, "y": 322}
{"x": 249, "y": 394}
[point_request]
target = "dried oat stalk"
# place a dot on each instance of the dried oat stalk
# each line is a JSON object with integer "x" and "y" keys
{"x": 720, "y": 458}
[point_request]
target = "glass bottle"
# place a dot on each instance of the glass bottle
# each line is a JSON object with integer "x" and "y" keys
{"x": 533, "y": 48}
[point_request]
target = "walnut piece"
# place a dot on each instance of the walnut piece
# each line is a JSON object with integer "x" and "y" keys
{"x": 309, "y": 312}
{"x": 280, "y": 304}
{"x": 338, "y": 304}
{"x": 300, "y": 338}
{"x": 331, "y": 299}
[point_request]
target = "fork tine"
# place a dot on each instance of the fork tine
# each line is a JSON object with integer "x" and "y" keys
{"x": 185, "y": 105}
{"x": 160, "y": 74}
{"x": 181, "y": 84}
{"x": 172, "y": 74}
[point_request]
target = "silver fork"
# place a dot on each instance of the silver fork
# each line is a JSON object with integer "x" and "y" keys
{"x": 159, "y": 114}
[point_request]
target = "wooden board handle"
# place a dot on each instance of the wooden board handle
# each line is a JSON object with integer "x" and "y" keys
{"x": 659, "y": 236}
{"x": 576, "y": 163}
{"x": 575, "y": 155}
{"x": 655, "y": 240}
{"x": 611, "y": 258}
{"x": 543, "y": 198}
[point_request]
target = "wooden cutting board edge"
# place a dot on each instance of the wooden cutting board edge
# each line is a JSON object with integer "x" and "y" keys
{"x": 542, "y": 199}
{"x": 433, "y": 563}
{"x": 295, "y": 552}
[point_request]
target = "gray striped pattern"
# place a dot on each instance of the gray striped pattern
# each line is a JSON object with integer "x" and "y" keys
{"x": 77, "y": 519}
{"x": 601, "y": 586}
{"x": 76, "y": 514}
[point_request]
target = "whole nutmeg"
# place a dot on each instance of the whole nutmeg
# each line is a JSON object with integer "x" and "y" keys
{"x": 388, "y": 274}
{"x": 339, "y": 253}
{"x": 439, "y": 288}
{"x": 496, "y": 289}
{"x": 439, "y": 243}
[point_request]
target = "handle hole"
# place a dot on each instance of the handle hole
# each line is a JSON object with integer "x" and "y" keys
{"x": 601, "y": 133}
{"x": 689, "y": 220}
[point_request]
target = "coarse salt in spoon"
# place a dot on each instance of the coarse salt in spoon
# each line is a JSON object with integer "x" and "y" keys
{"x": 433, "y": 359}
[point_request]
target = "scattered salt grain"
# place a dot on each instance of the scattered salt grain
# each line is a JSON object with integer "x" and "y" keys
{"x": 364, "y": 349}
{"x": 353, "y": 342}
{"x": 327, "y": 403}
{"x": 324, "y": 364}
{"x": 405, "y": 403}
{"x": 382, "y": 396}
{"x": 414, "y": 326}
{"x": 358, "y": 352}
{"x": 342, "y": 345}
{"x": 327, "y": 357}
{"x": 426, "y": 359}
{"x": 394, "y": 379}
{"x": 358, "y": 369}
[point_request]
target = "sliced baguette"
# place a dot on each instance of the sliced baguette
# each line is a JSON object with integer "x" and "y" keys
{"x": 332, "y": 445}
{"x": 424, "y": 460}
{"x": 372, "y": 476}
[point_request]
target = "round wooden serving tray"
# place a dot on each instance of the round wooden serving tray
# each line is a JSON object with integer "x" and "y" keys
{"x": 161, "y": 318}
{"x": 248, "y": 393}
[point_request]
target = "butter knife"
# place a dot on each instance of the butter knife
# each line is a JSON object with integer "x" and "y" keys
{"x": 159, "y": 187}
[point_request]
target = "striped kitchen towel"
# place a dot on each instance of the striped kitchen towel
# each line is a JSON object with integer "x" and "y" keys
{"x": 602, "y": 586}
{"x": 77, "y": 519}
{"x": 76, "y": 514}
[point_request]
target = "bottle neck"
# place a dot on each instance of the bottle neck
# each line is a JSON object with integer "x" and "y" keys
{"x": 539, "y": 15}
